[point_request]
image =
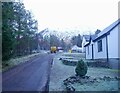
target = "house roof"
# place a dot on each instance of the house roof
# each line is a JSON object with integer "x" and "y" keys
{"x": 92, "y": 37}
{"x": 107, "y": 30}
{"x": 87, "y": 37}
{"x": 103, "y": 33}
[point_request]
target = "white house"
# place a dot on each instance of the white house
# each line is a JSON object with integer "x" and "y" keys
{"x": 105, "y": 45}
{"x": 75, "y": 48}
{"x": 89, "y": 47}
{"x": 85, "y": 40}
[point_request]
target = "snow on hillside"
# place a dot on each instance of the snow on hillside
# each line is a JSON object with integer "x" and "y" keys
{"x": 63, "y": 34}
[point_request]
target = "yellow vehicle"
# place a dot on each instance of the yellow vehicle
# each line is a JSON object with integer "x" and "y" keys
{"x": 53, "y": 49}
{"x": 70, "y": 51}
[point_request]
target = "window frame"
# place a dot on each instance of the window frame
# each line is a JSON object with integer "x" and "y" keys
{"x": 100, "y": 49}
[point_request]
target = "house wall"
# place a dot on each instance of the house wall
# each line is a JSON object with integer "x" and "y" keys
{"x": 118, "y": 46}
{"x": 97, "y": 55}
{"x": 118, "y": 40}
{"x": 83, "y": 43}
{"x": 102, "y": 54}
{"x": 113, "y": 43}
{"x": 89, "y": 56}
{"x": 113, "y": 49}
{"x": 114, "y": 58}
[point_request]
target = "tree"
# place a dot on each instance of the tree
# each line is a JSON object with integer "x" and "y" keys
{"x": 18, "y": 30}
{"x": 8, "y": 37}
{"x": 81, "y": 68}
{"x": 74, "y": 40}
{"x": 79, "y": 41}
{"x": 26, "y": 29}
{"x": 54, "y": 41}
{"x": 62, "y": 44}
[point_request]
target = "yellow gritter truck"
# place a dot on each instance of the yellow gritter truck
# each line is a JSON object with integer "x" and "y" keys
{"x": 53, "y": 49}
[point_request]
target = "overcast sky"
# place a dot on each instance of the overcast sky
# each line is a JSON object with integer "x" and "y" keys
{"x": 83, "y": 15}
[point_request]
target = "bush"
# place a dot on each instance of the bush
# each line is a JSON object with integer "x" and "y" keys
{"x": 81, "y": 68}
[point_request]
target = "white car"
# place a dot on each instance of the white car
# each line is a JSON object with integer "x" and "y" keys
{"x": 60, "y": 51}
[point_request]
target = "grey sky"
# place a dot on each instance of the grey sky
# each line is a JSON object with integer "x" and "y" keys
{"x": 83, "y": 15}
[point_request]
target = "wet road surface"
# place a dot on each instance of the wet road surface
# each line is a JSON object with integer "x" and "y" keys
{"x": 30, "y": 76}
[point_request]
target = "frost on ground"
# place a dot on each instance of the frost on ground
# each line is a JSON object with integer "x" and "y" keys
{"x": 100, "y": 85}
{"x": 13, "y": 62}
{"x": 88, "y": 83}
{"x": 0, "y": 67}
{"x": 60, "y": 72}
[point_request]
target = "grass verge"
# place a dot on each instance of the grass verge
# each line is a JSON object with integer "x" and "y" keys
{"x": 16, "y": 61}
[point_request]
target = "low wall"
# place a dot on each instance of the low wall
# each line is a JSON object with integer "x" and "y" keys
{"x": 98, "y": 63}
{"x": 70, "y": 62}
{"x": 114, "y": 63}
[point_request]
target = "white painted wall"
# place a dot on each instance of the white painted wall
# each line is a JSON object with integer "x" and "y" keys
{"x": 89, "y": 56}
{"x": 112, "y": 46}
{"x": 118, "y": 41}
{"x": 83, "y": 44}
{"x": 113, "y": 43}
{"x": 102, "y": 54}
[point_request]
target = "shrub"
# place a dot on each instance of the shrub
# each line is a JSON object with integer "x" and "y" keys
{"x": 81, "y": 68}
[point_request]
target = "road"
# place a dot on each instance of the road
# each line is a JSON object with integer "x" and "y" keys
{"x": 30, "y": 76}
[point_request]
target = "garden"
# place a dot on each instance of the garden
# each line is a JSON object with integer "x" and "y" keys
{"x": 80, "y": 76}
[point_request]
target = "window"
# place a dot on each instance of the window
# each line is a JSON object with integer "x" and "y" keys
{"x": 88, "y": 50}
{"x": 99, "y": 45}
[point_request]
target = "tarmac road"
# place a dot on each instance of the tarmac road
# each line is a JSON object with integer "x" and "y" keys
{"x": 29, "y": 76}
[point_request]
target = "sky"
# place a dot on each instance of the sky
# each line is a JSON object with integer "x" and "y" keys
{"x": 82, "y": 15}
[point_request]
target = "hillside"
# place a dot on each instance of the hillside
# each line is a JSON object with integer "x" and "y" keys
{"x": 67, "y": 34}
